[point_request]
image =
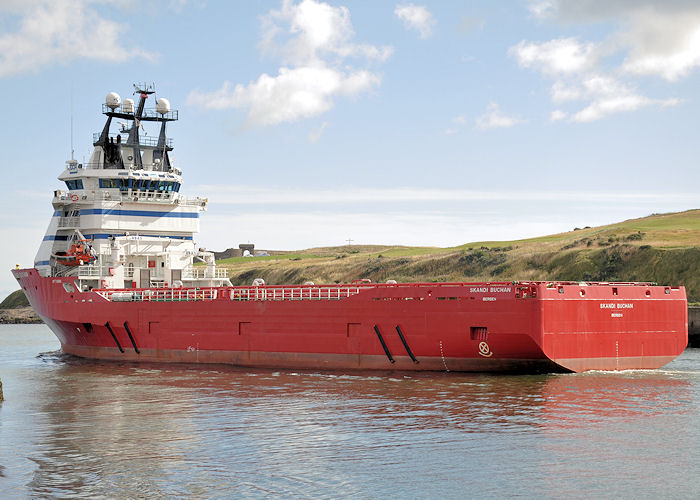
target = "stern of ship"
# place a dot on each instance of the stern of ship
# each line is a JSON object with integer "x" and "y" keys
{"x": 613, "y": 326}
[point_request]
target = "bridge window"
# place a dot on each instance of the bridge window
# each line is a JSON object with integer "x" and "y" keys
{"x": 74, "y": 184}
{"x": 142, "y": 185}
{"x": 109, "y": 183}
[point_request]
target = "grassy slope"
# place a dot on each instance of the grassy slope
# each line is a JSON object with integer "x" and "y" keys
{"x": 14, "y": 300}
{"x": 664, "y": 248}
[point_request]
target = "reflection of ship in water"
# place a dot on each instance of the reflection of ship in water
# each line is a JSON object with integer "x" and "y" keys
{"x": 597, "y": 397}
{"x": 604, "y": 433}
{"x": 146, "y": 428}
{"x": 108, "y": 429}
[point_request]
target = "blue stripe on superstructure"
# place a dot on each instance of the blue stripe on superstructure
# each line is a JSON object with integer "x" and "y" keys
{"x": 42, "y": 263}
{"x": 104, "y": 236}
{"x": 140, "y": 213}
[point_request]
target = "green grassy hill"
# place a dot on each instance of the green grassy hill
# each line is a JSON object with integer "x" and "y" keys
{"x": 663, "y": 248}
{"x": 14, "y": 300}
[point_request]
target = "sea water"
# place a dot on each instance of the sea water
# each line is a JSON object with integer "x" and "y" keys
{"x": 76, "y": 428}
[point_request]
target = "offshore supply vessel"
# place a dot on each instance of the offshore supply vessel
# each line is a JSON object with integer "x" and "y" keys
{"x": 114, "y": 278}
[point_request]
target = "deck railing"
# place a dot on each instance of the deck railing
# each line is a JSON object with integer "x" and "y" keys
{"x": 69, "y": 222}
{"x": 92, "y": 271}
{"x": 195, "y": 273}
{"x": 160, "y": 295}
{"x": 132, "y": 195}
{"x": 143, "y": 140}
{"x": 154, "y": 294}
{"x": 293, "y": 293}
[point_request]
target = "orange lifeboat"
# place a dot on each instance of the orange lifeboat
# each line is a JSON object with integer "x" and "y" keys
{"x": 79, "y": 254}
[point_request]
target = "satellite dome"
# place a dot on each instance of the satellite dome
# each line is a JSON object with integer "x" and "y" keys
{"x": 162, "y": 105}
{"x": 113, "y": 100}
{"x": 128, "y": 106}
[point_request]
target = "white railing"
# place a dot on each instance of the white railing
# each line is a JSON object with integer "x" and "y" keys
{"x": 293, "y": 293}
{"x": 160, "y": 295}
{"x": 140, "y": 196}
{"x": 92, "y": 271}
{"x": 192, "y": 202}
{"x": 69, "y": 222}
{"x": 194, "y": 273}
{"x": 156, "y": 294}
{"x": 134, "y": 196}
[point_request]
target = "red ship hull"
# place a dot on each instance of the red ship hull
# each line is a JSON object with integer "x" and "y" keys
{"x": 523, "y": 327}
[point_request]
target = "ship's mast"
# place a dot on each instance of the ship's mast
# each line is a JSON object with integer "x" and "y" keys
{"x": 144, "y": 91}
{"x": 136, "y": 116}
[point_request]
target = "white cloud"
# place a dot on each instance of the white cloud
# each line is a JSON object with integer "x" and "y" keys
{"x": 610, "y": 105}
{"x": 293, "y": 94}
{"x": 541, "y": 8}
{"x": 315, "y": 135}
{"x": 606, "y": 96}
{"x": 57, "y": 32}
{"x": 416, "y": 17}
{"x": 557, "y": 115}
{"x": 655, "y": 38}
{"x": 671, "y": 63}
{"x": 312, "y": 30}
{"x": 459, "y": 121}
{"x": 605, "y": 106}
{"x": 495, "y": 118}
{"x": 649, "y": 39}
{"x": 314, "y": 41}
{"x": 562, "y": 55}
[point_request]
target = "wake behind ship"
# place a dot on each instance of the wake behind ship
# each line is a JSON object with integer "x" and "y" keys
{"x": 114, "y": 278}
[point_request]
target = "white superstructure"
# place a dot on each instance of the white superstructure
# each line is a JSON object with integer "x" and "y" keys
{"x": 125, "y": 210}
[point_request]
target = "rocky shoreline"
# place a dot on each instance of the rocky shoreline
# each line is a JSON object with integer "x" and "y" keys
{"x": 19, "y": 315}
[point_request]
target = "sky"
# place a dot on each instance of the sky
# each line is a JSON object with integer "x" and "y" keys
{"x": 311, "y": 123}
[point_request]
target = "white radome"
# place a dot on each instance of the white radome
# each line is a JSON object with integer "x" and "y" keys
{"x": 128, "y": 106}
{"x": 113, "y": 100}
{"x": 162, "y": 105}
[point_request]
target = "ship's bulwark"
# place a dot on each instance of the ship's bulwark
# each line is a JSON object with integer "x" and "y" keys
{"x": 522, "y": 327}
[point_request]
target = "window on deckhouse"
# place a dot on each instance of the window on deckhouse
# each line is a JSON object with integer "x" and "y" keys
{"x": 109, "y": 183}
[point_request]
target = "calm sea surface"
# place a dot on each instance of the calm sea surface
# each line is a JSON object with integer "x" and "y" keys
{"x": 74, "y": 428}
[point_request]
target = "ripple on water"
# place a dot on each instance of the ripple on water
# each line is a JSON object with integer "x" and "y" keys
{"x": 79, "y": 428}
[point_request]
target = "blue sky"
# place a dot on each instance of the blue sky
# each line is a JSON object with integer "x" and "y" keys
{"x": 308, "y": 123}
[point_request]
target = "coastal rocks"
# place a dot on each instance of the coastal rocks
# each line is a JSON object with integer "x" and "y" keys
{"x": 19, "y": 315}
{"x": 694, "y": 326}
